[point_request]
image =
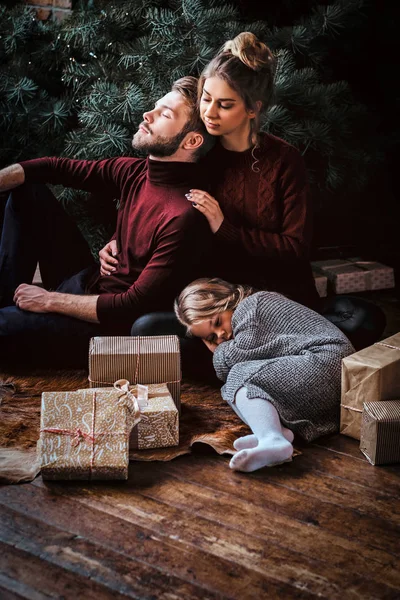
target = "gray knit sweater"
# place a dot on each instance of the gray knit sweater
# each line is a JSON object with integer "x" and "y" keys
{"x": 289, "y": 355}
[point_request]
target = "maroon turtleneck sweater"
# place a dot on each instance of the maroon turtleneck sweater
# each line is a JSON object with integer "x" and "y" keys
{"x": 265, "y": 237}
{"x": 162, "y": 240}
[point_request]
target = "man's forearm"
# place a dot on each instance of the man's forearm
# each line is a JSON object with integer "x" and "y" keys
{"x": 11, "y": 177}
{"x": 79, "y": 307}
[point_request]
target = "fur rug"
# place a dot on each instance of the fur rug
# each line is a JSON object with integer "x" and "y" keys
{"x": 205, "y": 418}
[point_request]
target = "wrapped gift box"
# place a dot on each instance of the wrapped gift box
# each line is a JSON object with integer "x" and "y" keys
{"x": 370, "y": 375}
{"x": 380, "y": 432}
{"x": 142, "y": 359}
{"x": 158, "y": 426}
{"x": 355, "y": 275}
{"x": 85, "y": 434}
{"x": 321, "y": 284}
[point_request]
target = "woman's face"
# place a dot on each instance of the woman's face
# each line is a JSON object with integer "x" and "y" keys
{"x": 223, "y": 110}
{"x": 216, "y": 330}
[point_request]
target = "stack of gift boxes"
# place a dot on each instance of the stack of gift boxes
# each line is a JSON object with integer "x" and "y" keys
{"x": 346, "y": 276}
{"x": 370, "y": 400}
{"x": 133, "y": 402}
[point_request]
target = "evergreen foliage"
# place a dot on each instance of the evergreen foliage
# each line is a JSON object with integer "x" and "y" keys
{"x": 80, "y": 88}
{"x": 35, "y": 107}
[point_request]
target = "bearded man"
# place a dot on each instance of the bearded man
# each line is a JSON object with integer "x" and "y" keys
{"x": 159, "y": 245}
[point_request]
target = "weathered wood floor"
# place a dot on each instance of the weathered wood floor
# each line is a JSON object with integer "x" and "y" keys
{"x": 326, "y": 525}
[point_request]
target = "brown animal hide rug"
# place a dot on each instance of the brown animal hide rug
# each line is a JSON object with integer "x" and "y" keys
{"x": 205, "y": 418}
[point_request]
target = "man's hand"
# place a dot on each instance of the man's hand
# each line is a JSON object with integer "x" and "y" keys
{"x": 108, "y": 262}
{"x": 36, "y": 299}
{"x": 32, "y": 298}
{"x": 207, "y": 205}
{"x": 11, "y": 177}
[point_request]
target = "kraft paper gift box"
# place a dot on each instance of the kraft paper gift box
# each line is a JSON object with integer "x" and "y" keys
{"x": 381, "y": 276}
{"x": 321, "y": 284}
{"x": 355, "y": 275}
{"x": 158, "y": 423}
{"x": 369, "y": 375}
{"x": 380, "y": 432}
{"x": 85, "y": 434}
{"x": 142, "y": 359}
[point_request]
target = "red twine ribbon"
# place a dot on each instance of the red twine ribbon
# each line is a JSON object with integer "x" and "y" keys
{"x": 78, "y": 435}
{"x": 387, "y": 345}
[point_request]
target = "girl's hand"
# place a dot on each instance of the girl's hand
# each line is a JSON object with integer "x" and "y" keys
{"x": 108, "y": 262}
{"x": 210, "y": 345}
{"x": 207, "y": 205}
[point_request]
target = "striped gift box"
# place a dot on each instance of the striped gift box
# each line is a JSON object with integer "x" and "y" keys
{"x": 380, "y": 432}
{"x": 141, "y": 359}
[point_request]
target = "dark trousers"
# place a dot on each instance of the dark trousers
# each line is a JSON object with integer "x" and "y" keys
{"x": 36, "y": 229}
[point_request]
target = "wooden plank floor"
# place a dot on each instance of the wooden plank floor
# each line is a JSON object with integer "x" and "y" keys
{"x": 326, "y": 525}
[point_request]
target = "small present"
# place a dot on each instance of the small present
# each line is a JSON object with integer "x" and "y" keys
{"x": 380, "y": 432}
{"x": 85, "y": 434}
{"x": 158, "y": 422}
{"x": 381, "y": 276}
{"x": 355, "y": 275}
{"x": 369, "y": 375}
{"x": 141, "y": 359}
{"x": 321, "y": 284}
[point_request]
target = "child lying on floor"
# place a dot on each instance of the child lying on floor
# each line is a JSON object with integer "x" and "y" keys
{"x": 280, "y": 361}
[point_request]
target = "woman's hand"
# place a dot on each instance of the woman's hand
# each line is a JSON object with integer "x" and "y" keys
{"x": 207, "y": 205}
{"x": 108, "y": 262}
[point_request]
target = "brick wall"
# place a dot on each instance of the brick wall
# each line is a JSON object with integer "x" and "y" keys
{"x": 51, "y": 9}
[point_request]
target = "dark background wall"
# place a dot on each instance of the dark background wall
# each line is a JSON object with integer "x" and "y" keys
{"x": 366, "y": 55}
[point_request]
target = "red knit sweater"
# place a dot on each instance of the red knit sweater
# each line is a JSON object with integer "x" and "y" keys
{"x": 162, "y": 239}
{"x": 265, "y": 237}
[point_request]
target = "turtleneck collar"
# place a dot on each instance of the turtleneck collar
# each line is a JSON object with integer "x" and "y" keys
{"x": 166, "y": 173}
{"x": 232, "y": 157}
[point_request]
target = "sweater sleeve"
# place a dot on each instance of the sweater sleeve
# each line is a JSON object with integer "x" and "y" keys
{"x": 294, "y": 238}
{"x": 235, "y": 351}
{"x": 101, "y": 176}
{"x": 182, "y": 245}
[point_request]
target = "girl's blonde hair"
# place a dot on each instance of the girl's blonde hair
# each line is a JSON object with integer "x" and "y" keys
{"x": 204, "y": 298}
{"x": 247, "y": 65}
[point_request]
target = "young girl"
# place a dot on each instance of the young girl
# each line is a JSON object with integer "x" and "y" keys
{"x": 280, "y": 361}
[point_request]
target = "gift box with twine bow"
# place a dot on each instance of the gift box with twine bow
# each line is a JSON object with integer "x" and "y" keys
{"x": 144, "y": 359}
{"x": 355, "y": 275}
{"x": 157, "y": 425}
{"x": 85, "y": 434}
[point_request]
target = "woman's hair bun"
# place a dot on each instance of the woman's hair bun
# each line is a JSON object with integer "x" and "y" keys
{"x": 248, "y": 48}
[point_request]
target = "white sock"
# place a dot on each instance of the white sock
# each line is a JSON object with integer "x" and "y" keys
{"x": 251, "y": 441}
{"x": 272, "y": 447}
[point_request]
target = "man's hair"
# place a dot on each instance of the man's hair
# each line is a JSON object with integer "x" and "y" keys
{"x": 187, "y": 87}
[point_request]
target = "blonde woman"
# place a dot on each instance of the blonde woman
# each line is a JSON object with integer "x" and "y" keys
{"x": 260, "y": 211}
{"x": 280, "y": 363}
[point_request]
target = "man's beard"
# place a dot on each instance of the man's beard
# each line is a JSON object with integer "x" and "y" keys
{"x": 159, "y": 146}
